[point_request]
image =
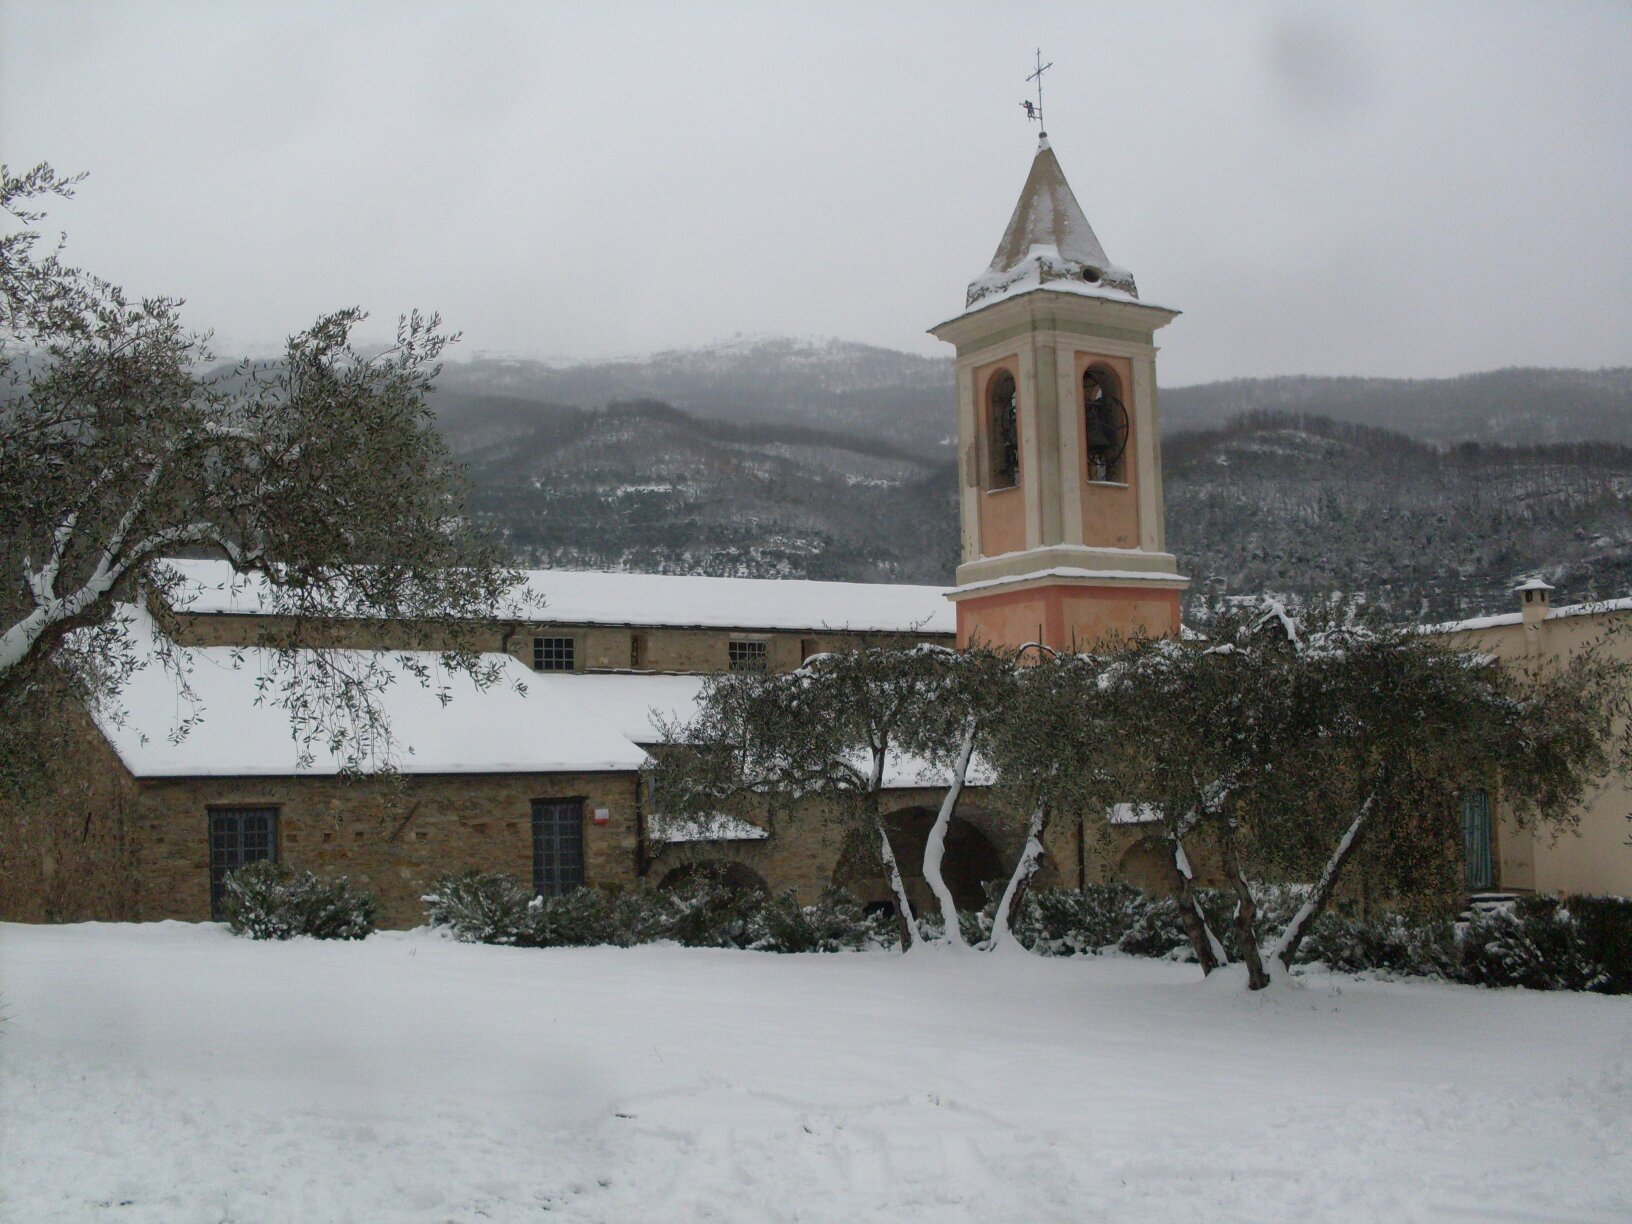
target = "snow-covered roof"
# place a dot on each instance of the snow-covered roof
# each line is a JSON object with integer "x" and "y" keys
{"x": 1134, "y": 813}
{"x": 1050, "y": 245}
{"x": 1534, "y": 584}
{"x": 718, "y": 827}
{"x": 565, "y": 722}
{"x": 1517, "y": 618}
{"x": 581, "y": 597}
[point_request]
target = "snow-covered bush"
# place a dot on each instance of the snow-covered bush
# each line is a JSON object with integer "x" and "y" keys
{"x": 1067, "y": 922}
{"x": 1604, "y": 925}
{"x": 479, "y": 907}
{"x": 976, "y": 925}
{"x": 709, "y": 913}
{"x": 586, "y": 917}
{"x": 1156, "y": 931}
{"x": 836, "y": 923}
{"x": 1536, "y": 944}
{"x": 581, "y": 918}
{"x": 1387, "y": 941}
{"x": 271, "y": 901}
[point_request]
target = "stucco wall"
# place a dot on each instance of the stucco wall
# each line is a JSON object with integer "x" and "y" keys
{"x": 1596, "y": 857}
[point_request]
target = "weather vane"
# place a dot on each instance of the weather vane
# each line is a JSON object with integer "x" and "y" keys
{"x": 1034, "y": 110}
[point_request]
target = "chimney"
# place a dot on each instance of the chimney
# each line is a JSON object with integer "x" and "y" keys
{"x": 1536, "y": 601}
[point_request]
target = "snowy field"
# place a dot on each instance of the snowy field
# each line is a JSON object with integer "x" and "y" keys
{"x": 173, "y": 1073}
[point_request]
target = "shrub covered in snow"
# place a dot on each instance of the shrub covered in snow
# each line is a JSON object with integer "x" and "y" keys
{"x": 586, "y": 917}
{"x": 479, "y": 907}
{"x": 703, "y": 913}
{"x": 1604, "y": 925}
{"x": 1545, "y": 944}
{"x": 271, "y": 901}
{"x": 709, "y": 913}
{"x": 1388, "y": 941}
{"x": 835, "y": 923}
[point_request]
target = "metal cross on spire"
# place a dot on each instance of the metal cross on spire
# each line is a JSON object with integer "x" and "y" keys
{"x": 1035, "y": 111}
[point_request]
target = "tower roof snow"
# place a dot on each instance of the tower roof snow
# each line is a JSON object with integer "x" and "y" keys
{"x": 1049, "y": 243}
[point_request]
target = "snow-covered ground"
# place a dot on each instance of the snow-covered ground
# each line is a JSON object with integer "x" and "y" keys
{"x": 173, "y": 1073}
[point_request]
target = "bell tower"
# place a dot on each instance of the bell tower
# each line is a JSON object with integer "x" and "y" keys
{"x": 1060, "y": 460}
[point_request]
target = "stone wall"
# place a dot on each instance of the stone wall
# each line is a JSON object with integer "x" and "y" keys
{"x": 597, "y": 647}
{"x": 68, "y": 838}
{"x": 392, "y": 837}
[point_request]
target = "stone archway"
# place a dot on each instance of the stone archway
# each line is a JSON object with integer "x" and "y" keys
{"x": 970, "y": 863}
{"x": 723, "y": 872}
{"x": 1146, "y": 866}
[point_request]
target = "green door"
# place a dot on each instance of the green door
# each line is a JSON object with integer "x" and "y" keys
{"x": 1476, "y": 840}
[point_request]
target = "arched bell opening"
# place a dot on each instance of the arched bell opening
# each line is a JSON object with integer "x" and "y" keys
{"x": 1002, "y": 432}
{"x": 1105, "y": 426}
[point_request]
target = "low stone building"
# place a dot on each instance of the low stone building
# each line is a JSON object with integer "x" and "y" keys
{"x": 544, "y": 785}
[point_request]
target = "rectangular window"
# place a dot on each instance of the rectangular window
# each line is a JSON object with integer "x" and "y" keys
{"x": 554, "y": 654}
{"x": 745, "y": 655}
{"x": 807, "y": 647}
{"x": 637, "y": 651}
{"x": 558, "y": 846}
{"x": 238, "y": 835}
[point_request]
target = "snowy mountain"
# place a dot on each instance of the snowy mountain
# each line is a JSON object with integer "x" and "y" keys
{"x": 1515, "y": 407}
{"x": 825, "y": 459}
{"x": 645, "y": 486}
{"x": 829, "y": 384}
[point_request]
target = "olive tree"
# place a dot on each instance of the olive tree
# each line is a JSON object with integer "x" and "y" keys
{"x": 1291, "y": 751}
{"x": 829, "y": 732}
{"x": 1053, "y": 744}
{"x": 319, "y": 476}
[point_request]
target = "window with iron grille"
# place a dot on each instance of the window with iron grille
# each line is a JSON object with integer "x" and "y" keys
{"x": 637, "y": 651}
{"x": 745, "y": 655}
{"x": 553, "y": 654}
{"x": 558, "y": 846}
{"x": 238, "y": 835}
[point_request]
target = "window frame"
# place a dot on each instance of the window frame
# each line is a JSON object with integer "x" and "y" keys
{"x": 554, "y": 876}
{"x": 220, "y": 868}
{"x": 542, "y": 656}
{"x": 739, "y": 652}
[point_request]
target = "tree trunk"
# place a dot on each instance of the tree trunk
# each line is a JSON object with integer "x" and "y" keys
{"x": 892, "y": 872}
{"x": 1246, "y": 913}
{"x": 935, "y": 847}
{"x": 1286, "y": 948}
{"x": 1015, "y": 894}
{"x": 1209, "y": 951}
{"x": 886, "y": 853}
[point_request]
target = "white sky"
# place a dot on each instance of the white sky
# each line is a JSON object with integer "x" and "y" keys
{"x": 1389, "y": 188}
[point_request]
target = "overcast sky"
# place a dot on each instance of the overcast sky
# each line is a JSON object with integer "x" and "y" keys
{"x": 1395, "y": 189}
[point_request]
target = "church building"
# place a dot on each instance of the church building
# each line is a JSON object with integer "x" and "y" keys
{"x": 1063, "y": 544}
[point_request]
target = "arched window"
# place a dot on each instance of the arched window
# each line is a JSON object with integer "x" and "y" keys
{"x": 1003, "y": 437}
{"x": 1105, "y": 424}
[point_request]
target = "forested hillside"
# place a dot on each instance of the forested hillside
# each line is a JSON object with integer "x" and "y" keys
{"x": 834, "y": 460}
{"x": 644, "y": 486}
{"x": 1284, "y": 502}
{"x": 1516, "y": 407}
